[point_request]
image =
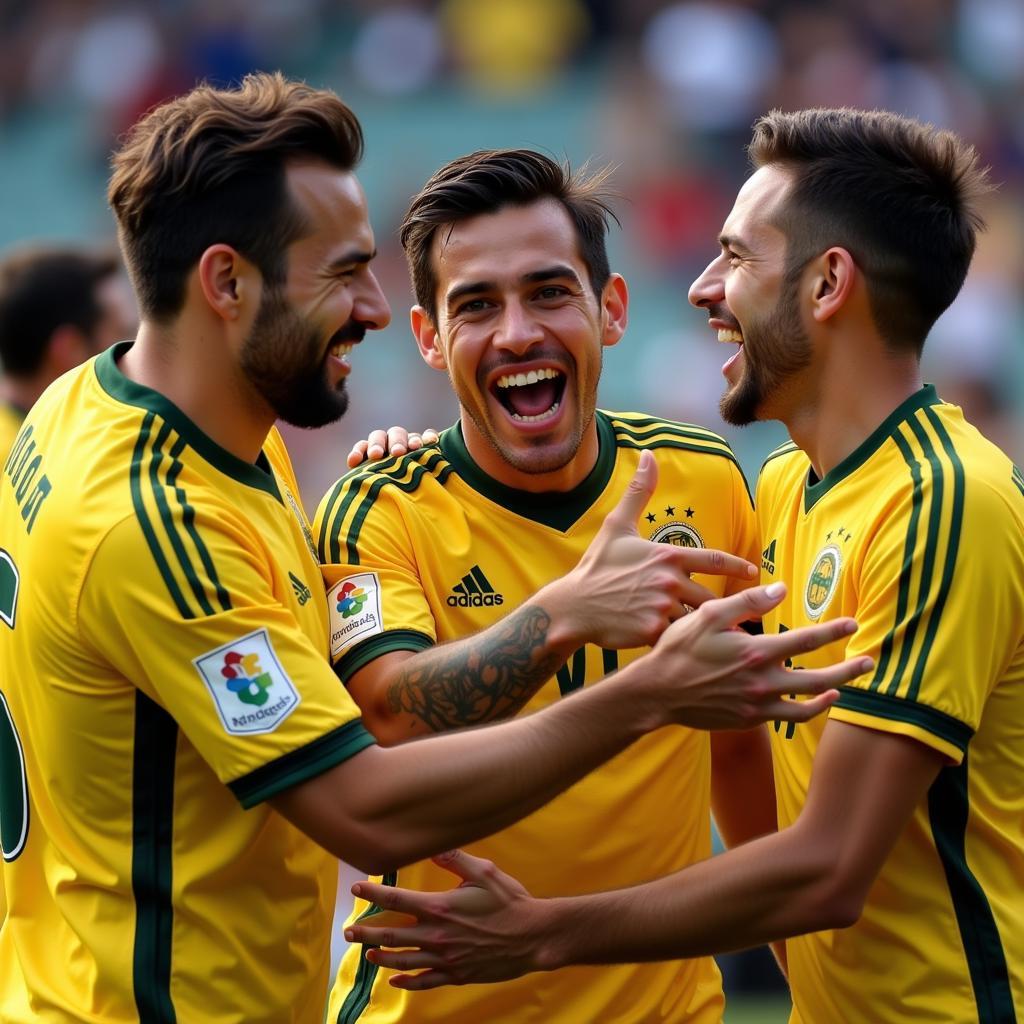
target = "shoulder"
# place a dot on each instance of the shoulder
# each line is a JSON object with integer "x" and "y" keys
{"x": 389, "y": 487}
{"x": 639, "y": 431}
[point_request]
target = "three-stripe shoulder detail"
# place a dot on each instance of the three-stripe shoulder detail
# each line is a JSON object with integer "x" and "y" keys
{"x": 167, "y": 521}
{"x": 635, "y": 431}
{"x": 350, "y": 500}
{"x": 934, "y": 526}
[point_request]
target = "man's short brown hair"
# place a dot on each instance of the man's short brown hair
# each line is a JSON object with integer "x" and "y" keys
{"x": 209, "y": 167}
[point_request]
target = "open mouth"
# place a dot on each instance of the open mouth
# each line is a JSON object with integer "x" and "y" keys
{"x": 729, "y": 334}
{"x": 532, "y": 395}
{"x": 341, "y": 349}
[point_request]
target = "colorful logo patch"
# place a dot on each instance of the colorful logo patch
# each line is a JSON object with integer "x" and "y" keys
{"x": 351, "y": 599}
{"x": 354, "y": 604}
{"x": 822, "y": 581}
{"x": 250, "y": 689}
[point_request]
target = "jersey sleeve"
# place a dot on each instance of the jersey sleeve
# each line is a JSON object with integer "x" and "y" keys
{"x": 939, "y": 609}
{"x": 186, "y": 610}
{"x": 375, "y": 596}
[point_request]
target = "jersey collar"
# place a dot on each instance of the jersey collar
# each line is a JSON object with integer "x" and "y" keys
{"x": 558, "y": 509}
{"x": 118, "y": 386}
{"x": 815, "y": 489}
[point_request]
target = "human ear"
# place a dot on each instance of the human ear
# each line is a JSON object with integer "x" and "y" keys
{"x": 614, "y": 310}
{"x": 834, "y": 275}
{"x": 427, "y": 340}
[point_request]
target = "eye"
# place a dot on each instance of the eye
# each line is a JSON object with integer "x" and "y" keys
{"x": 552, "y": 291}
{"x": 732, "y": 257}
{"x": 472, "y": 306}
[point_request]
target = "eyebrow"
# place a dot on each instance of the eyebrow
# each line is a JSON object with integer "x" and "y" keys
{"x": 732, "y": 242}
{"x": 351, "y": 257}
{"x": 554, "y": 272}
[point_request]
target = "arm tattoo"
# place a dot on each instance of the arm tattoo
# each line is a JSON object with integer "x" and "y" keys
{"x": 481, "y": 679}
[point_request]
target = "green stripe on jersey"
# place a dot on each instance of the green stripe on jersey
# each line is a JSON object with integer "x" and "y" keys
{"x": 948, "y": 813}
{"x": 154, "y": 749}
{"x": 358, "y": 997}
{"x": 642, "y": 427}
{"x": 1018, "y": 479}
{"x": 907, "y": 568}
{"x": 896, "y": 709}
{"x": 373, "y": 647}
{"x": 135, "y": 482}
{"x": 952, "y": 532}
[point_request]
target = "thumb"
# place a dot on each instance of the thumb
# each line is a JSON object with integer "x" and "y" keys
{"x": 637, "y": 494}
{"x": 473, "y": 870}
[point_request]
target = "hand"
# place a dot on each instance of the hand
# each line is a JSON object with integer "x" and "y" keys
{"x": 396, "y": 441}
{"x": 626, "y": 590}
{"x": 485, "y": 930}
{"x": 708, "y": 674}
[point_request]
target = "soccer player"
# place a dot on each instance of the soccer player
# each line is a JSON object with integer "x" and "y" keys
{"x": 901, "y": 842}
{"x": 516, "y": 302}
{"x": 58, "y": 307}
{"x": 180, "y": 765}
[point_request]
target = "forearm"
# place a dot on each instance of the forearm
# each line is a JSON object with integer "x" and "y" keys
{"x": 742, "y": 785}
{"x": 482, "y": 678}
{"x": 419, "y": 798}
{"x": 746, "y": 897}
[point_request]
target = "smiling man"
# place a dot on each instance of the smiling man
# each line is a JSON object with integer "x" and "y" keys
{"x": 516, "y": 304}
{"x": 179, "y": 767}
{"x": 901, "y": 813}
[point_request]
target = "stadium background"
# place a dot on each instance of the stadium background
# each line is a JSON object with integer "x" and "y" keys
{"x": 666, "y": 91}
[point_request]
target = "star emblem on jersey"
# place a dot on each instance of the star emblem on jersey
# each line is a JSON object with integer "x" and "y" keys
{"x": 474, "y": 591}
{"x": 250, "y": 689}
{"x": 672, "y": 530}
{"x": 822, "y": 581}
{"x": 354, "y": 606}
{"x": 351, "y": 600}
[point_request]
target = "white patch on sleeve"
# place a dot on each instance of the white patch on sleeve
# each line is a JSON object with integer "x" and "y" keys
{"x": 354, "y": 604}
{"x": 250, "y": 689}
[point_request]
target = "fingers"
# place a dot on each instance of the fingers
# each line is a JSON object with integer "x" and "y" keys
{"x": 804, "y": 639}
{"x": 357, "y": 455}
{"x": 390, "y": 897}
{"x": 368, "y": 933}
{"x": 464, "y": 865}
{"x": 377, "y": 445}
{"x": 748, "y": 604}
{"x": 420, "y": 440}
{"x": 803, "y": 710}
{"x": 404, "y": 959}
{"x": 421, "y": 982}
{"x": 637, "y": 494}
{"x": 713, "y": 562}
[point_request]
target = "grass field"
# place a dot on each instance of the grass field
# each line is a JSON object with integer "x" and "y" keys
{"x": 757, "y": 1011}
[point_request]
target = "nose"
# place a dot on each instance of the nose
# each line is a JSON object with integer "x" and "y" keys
{"x": 518, "y": 330}
{"x": 709, "y": 288}
{"x": 371, "y": 307}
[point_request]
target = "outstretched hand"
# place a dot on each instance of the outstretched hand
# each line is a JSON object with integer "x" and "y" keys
{"x": 482, "y": 931}
{"x": 396, "y": 441}
{"x": 708, "y": 674}
{"x": 621, "y": 570}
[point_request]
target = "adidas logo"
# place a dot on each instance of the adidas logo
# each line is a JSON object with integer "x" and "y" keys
{"x": 302, "y": 592}
{"x": 768, "y": 559}
{"x": 474, "y": 591}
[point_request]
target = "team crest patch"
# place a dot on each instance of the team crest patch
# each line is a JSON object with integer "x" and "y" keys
{"x": 250, "y": 689}
{"x": 680, "y": 534}
{"x": 354, "y": 604}
{"x": 823, "y": 581}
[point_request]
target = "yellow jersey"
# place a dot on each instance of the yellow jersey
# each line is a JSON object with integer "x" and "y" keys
{"x": 11, "y": 418}
{"x": 163, "y": 667}
{"x": 428, "y": 548}
{"x": 919, "y": 534}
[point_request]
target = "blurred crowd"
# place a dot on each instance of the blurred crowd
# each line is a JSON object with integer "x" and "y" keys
{"x": 665, "y": 90}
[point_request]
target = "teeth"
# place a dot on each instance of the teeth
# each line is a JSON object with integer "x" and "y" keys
{"x": 519, "y": 380}
{"x": 342, "y": 349}
{"x": 533, "y": 419}
{"x": 728, "y": 334}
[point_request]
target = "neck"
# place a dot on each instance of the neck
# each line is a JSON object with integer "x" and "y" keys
{"x": 194, "y": 370}
{"x": 567, "y": 477}
{"x": 848, "y": 405}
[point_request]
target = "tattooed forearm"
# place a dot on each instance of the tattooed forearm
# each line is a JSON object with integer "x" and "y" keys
{"x": 480, "y": 679}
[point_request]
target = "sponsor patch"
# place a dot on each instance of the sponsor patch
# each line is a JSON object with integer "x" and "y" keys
{"x": 250, "y": 689}
{"x": 822, "y": 581}
{"x": 354, "y": 604}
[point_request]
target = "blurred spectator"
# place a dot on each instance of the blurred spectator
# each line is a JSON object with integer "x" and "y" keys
{"x": 58, "y": 307}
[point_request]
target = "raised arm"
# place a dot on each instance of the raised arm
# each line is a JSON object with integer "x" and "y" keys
{"x": 386, "y": 807}
{"x": 812, "y": 876}
{"x": 492, "y": 674}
